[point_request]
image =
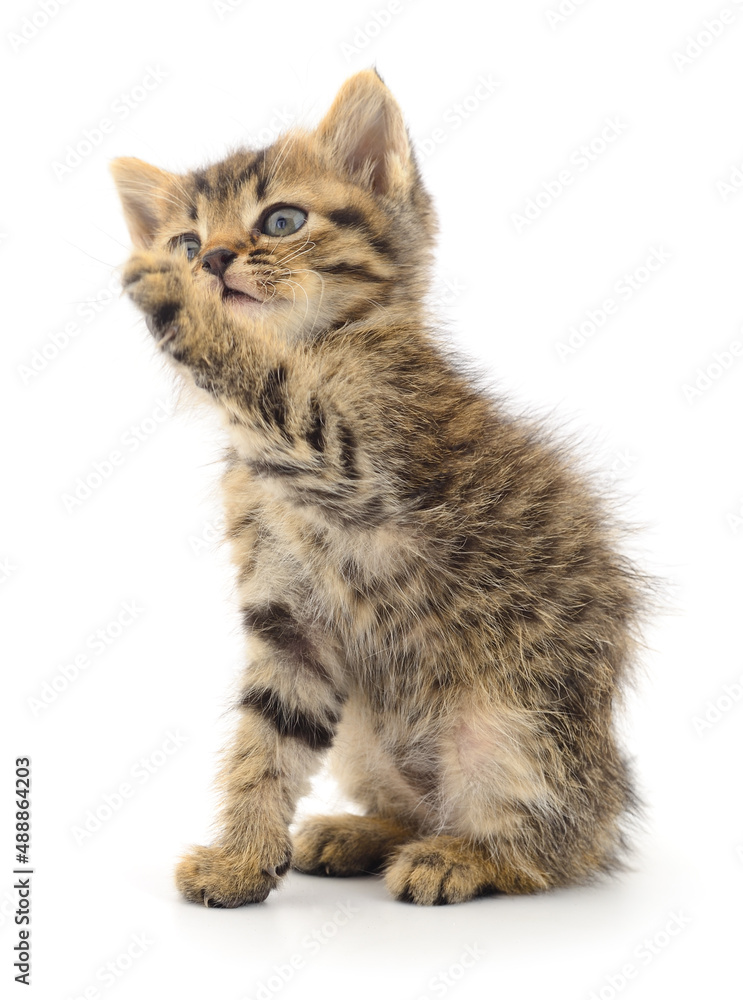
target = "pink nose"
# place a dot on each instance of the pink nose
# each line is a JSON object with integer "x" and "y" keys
{"x": 217, "y": 261}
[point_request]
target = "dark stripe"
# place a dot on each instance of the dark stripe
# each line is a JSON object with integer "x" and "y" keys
{"x": 368, "y": 514}
{"x": 275, "y": 469}
{"x": 246, "y": 174}
{"x": 348, "y": 451}
{"x": 271, "y": 402}
{"x": 349, "y": 217}
{"x": 247, "y": 569}
{"x": 359, "y": 313}
{"x": 406, "y": 895}
{"x": 333, "y": 496}
{"x": 275, "y": 624}
{"x": 442, "y": 898}
{"x": 382, "y": 246}
{"x": 163, "y": 317}
{"x": 353, "y": 270}
{"x": 236, "y": 529}
{"x": 192, "y": 213}
{"x": 227, "y": 177}
{"x": 230, "y": 176}
{"x": 260, "y": 188}
{"x": 357, "y": 580}
{"x": 355, "y": 219}
{"x": 201, "y": 183}
{"x": 463, "y": 550}
{"x": 432, "y": 493}
{"x": 290, "y": 721}
{"x": 316, "y": 434}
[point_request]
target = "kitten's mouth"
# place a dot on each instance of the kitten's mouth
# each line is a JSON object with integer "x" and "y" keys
{"x": 238, "y": 298}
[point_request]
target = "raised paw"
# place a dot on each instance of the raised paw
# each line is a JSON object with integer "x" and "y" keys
{"x": 220, "y": 877}
{"x": 346, "y": 845}
{"x": 439, "y": 870}
{"x": 158, "y": 283}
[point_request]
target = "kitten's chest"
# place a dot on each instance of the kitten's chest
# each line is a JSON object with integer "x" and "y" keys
{"x": 344, "y": 573}
{"x": 341, "y": 576}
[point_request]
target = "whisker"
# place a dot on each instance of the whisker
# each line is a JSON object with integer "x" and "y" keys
{"x": 96, "y": 259}
{"x": 322, "y": 293}
{"x": 283, "y": 153}
{"x": 139, "y": 186}
{"x": 298, "y": 249}
{"x": 298, "y": 253}
{"x": 283, "y": 281}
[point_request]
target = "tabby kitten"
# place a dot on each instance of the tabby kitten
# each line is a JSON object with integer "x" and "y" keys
{"x": 426, "y": 586}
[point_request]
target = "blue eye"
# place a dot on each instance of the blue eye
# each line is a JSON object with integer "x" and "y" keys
{"x": 191, "y": 243}
{"x": 284, "y": 221}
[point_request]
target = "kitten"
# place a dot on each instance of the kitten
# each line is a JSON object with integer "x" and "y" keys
{"x": 426, "y": 586}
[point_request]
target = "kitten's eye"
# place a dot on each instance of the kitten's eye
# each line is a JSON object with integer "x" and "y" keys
{"x": 284, "y": 221}
{"x": 191, "y": 243}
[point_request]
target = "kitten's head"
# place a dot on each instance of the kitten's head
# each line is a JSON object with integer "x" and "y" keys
{"x": 317, "y": 230}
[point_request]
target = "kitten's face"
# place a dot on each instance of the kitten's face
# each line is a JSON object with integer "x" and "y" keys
{"x": 319, "y": 229}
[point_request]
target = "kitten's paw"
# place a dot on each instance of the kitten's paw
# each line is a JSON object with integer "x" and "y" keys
{"x": 346, "y": 845}
{"x": 158, "y": 284}
{"x": 438, "y": 870}
{"x": 220, "y": 877}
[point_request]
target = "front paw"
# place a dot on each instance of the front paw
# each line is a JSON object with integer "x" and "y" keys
{"x": 158, "y": 284}
{"x": 346, "y": 844}
{"x": 438, "y": 870}
{"x": 225, "y": 877}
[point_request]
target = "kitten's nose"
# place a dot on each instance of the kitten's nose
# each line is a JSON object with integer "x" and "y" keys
{"x": 217, "y": 261}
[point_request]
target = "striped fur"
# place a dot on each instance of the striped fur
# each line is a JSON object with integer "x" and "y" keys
{"x": 426, "y": 584}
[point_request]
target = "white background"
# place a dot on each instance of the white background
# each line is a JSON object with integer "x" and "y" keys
{"x": 229, "y": 77}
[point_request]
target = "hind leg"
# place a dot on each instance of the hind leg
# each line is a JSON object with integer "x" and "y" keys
{"x": 347, "y": 844}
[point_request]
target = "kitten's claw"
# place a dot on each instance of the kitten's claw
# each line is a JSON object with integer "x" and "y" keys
{"x": 436, "y": 871}
{"x": 221, "y": 878}
{"x": 346, "y": 844}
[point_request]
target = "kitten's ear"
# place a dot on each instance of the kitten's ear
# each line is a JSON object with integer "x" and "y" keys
{"x": 143, "y": 190}
{"x": 365, "y": 134}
